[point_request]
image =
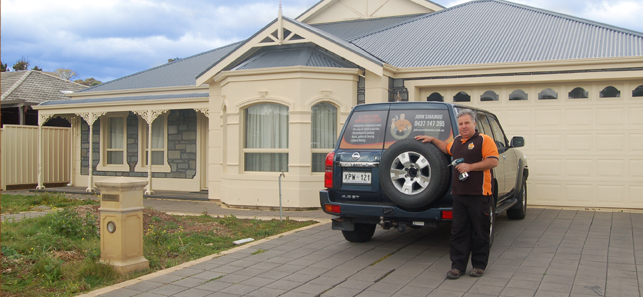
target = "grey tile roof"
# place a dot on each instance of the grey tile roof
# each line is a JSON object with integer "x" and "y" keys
{"x": 178, "y": 73}
{"x": 35, "y": 86}
{"x": 495, "y": 31}
{"x": 123, "y": 99}
{"x": 348, "y": 30}
{"x": 300, "y": 55}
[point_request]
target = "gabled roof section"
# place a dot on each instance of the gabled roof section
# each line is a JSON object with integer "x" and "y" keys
{"x": 348, "y": 30}
{"x": 178, "y": 73}
{"x": 287, "y": 56}
{"x": 35, "y": 86}
{"x": 285, "y": 31}
{"x": 329, "y": 11}
{"x": 496, "y": 31}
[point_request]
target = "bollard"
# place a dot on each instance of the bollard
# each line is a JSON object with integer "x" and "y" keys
{"x": 121, "y": 223}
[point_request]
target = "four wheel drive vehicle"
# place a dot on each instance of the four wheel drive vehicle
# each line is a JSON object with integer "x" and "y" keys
{"x": 379, "y": 174}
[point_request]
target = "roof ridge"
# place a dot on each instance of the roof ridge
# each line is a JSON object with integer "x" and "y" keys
{"x": 15, "y": 85}
{"x": 160, "y": 66}
{"x": 60, "y": 78}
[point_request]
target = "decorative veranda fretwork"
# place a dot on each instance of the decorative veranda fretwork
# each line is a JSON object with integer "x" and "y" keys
{"x": 149, "y": 115}
{"x": 91, "y": 117}
{"x": 43, "y": 118}
{"x": 204, "y": 110}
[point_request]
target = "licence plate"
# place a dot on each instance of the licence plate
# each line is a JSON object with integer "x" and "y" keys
{"x": 351, "y": 177}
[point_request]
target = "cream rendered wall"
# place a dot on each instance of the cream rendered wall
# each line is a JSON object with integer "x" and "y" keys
{"x": 299, "y": 88}
{"x": 343, "y": 10}
{"x": 581, "y": 152}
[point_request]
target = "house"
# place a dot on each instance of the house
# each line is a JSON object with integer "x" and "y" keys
{"x": 230, "y": 120}
{"x": 23, "y": 89}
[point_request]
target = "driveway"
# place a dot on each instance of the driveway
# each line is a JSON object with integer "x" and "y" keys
{"x": 551, "y": 252}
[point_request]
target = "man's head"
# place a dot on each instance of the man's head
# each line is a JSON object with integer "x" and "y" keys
{"x": 467, "y": 123}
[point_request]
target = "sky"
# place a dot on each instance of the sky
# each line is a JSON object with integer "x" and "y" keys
{"x": 109, "y": 39}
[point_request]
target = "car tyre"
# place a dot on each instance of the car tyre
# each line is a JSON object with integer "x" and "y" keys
{"x": 519, "y": 211}
{"x": 414, "y": 174}
{"x": 361, "y": 233}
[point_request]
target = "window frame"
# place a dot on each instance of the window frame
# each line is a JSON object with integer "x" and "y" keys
{"x": 141, "y": 165}
{"x": 243, "y": 141}
{"x": 105, "y": 120}
{"x": 323, "y": 150}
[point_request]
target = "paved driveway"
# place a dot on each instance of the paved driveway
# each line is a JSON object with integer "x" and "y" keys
{"x": 549, "y": 253}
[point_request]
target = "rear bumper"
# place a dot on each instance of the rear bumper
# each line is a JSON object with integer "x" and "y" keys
{"x": 376, "y": 213}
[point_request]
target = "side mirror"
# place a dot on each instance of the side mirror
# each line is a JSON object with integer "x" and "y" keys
{"x": 517, "y": 141}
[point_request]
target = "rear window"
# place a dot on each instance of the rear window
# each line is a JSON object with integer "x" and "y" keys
{"x": 377, "y": 129}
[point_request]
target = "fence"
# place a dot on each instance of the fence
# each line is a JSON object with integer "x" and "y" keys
{"x": 19, "y": 155}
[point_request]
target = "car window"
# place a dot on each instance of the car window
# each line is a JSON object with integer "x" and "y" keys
{"x": 409, "y": 123}
{"x": 375, "y": 129}
{"x": 498, "y": 134}
{"x": 482, "y": 124}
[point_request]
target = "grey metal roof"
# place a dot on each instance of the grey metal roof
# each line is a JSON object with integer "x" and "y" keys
{"x": 35, "y": 86}
{"x": 292, "y": 56}
{"x": 495, "y": 31}
{"x": 348, "y": 30}
{"x": 124, "y": 98}
{"x": 178, "y": 73}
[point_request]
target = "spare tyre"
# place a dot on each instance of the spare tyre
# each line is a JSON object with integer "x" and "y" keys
{"x": 414, "y": 174}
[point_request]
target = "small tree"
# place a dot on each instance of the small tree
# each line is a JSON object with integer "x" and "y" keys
{"x": 66, "y": 74}
{"x": 88, "y": 82}
{"x": 3, "y": 67}
{"x": 21, "y": 64}
{"x": 36, "y": 68}
{"x": 172, "y": 60}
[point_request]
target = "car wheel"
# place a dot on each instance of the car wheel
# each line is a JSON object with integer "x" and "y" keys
{"x": 414, "y": 174}
{"x": 361, "y": 233}
{"x": 519, "y": 211}
{"x": 492, "y": 219}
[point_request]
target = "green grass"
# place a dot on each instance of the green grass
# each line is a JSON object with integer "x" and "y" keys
{"x": 18, "y": 203}
{"x": 58, "y": 254}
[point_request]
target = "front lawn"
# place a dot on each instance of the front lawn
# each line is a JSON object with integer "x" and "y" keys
{"x": 58, "y": 254}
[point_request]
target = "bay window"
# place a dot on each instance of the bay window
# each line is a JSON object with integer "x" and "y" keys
{"x": 323, "y": 133}
{"x": 266, "y": 138}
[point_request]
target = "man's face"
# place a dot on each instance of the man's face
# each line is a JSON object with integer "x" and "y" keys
{"x": 466, "y": 125}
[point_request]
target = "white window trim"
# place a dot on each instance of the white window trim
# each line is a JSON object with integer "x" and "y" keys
{"x": 102, "y": 166}
{"x": 142, "y": 133}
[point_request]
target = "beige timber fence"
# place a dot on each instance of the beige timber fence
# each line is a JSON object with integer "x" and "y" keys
{"x": 19, "y": 155}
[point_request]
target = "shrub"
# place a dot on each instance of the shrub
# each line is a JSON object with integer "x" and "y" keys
{"x": 69, "y": 223}
{"x": 48, "y": 268}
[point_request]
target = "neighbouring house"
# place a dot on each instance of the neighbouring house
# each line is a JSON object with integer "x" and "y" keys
{"x": 230, "y": 120}
{"x": 23, "y": 89}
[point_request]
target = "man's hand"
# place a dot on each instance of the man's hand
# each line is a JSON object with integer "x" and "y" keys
{"x": 483, "y": 165}
{"x": 424, "y": 138}
{"x": 464, "y": 167}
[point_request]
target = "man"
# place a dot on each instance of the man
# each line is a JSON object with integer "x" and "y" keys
{"x": 472, "y": 197}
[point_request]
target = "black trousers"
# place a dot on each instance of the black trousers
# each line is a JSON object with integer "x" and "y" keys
{"x": 470, "y": 231}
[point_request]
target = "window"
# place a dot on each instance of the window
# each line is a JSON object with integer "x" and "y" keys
{"x": 435, "y": 97}
{"x": 489, "y": 96}
{"x": 578, "y": 93}
{"x": 462, "y": 97}
{"x": 638, "y": 92}
{"x": 498, "y": 135}
{"x": 266, "y": 138}
{"x": 518, "y": 95}
{"x": 548, "y": 94}
{"x": 323, "y": 133}
{"x": 115, "y": 141}
{"x": 610, "y": 92}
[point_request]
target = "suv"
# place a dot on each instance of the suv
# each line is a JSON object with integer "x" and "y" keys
{"x": 378, "y": 174}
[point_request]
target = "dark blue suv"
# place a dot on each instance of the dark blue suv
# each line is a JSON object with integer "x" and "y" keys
{"x": 378, "y": 174}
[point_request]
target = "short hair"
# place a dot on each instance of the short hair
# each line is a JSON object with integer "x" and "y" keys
{"x": 467, "y": 112}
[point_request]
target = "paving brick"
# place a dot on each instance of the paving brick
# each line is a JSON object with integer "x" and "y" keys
{"x": 193, "y": 293}
{"x": 523, "y": 284}
{"x": 445, "y": 293}
{"x": 341, "y": 292}
{"x": 208, "y": 275}
{"x": 233, "y": 278}
{"x": 312, "y": 289}
{"x": 167, "y": 290}
{"x": 186, "y": 272}
{"x": 214, "y": 286}
{"x": 555, "y": 287}
{"x": 165, "y": 279}
{"x": 122, "y": 292}
{"x": 144, "y": 286}
{"x": 518, "y": 292}
{"x": 283, "y": 285}
{"x": 189, "y": 282}
{"x": 257, "y": 281}
{"x": 239, "y": 289}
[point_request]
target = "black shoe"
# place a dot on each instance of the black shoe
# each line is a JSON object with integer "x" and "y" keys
{"x": 476, "y": 272}
{"x": 454, "y": 274}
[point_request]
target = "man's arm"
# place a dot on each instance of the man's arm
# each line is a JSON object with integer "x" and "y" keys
{"x": 442, "y": 145}
{"x": 483, "y": 165}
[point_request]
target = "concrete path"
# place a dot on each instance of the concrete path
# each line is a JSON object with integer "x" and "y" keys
{"x": 549, "y": 253}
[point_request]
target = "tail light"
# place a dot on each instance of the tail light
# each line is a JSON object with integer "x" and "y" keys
{"x": 447, "y": 215}
{"x": 328, "y": 173}
{"x": 333, "y": 208}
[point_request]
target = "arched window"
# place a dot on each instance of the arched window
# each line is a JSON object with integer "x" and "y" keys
{"x": 489, "y": 96}
{"x": 323, "y": 133}
{"x": 435, "y": 97}
{"x": 610, "y": 92}
{"x": 518, "y": 95}
{"x": 638, "y": 92}
{"x": 578, "y": 93}
{"x": 548, "y": 94}
{"x": 462, "y": 97}
{"x": 266, "y": 139}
